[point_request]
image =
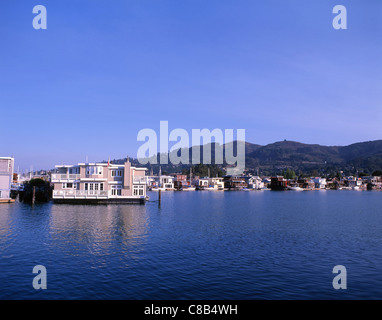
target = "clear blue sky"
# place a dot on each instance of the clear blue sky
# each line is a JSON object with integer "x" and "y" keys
{"x": 275, "y": 68}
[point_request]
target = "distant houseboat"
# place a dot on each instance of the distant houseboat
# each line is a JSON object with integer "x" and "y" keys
{"x": 279, "y": 183}
{"x": 99, "y": 183}
{"x": 234, "y": 183}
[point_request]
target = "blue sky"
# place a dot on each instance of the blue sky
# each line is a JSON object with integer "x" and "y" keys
{"x": 275, "y": 68}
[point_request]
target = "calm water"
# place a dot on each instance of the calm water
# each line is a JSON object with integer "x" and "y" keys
{"x": 197, "y": 245}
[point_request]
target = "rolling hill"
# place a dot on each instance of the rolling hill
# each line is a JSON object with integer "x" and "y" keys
{"x": 273, "y": 158}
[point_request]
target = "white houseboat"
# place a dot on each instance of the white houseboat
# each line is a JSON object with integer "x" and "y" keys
{"x": 99, "y": 183}
{"x": 6, "y": 178}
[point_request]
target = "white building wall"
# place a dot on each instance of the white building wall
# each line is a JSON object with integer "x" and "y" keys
{"x": 6, "y": 176}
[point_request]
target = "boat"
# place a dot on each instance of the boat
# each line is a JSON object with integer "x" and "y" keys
{"x": 295, "y": 188}
{"x": 188, "y": 189}
{"x": 162, "y": 189}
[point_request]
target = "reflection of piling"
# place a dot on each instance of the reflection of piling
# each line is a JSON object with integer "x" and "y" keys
{"x": 34, "y": 195}
{"x": 159, "y": 197}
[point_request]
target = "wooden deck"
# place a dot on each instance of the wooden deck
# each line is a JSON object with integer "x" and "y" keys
{"x": 7, "y": 200}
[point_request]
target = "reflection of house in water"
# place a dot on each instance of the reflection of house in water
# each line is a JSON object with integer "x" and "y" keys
{"x": 97, "y": 229}
{"x": 6, "y": 217}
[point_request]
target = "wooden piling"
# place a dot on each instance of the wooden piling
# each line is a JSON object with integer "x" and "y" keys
{"x": 159, "y": 197}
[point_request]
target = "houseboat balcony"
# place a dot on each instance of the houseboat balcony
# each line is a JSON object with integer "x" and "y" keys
{"x": 87, "y": 194}
{"x": 79, "y": 193}
{"x": 58, "y": 177}
{"x": 139, "y": 180}
{"x": 95, "y": 197}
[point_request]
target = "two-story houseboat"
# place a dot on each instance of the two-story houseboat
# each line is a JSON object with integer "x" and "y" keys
{"x": 99, "y": 183}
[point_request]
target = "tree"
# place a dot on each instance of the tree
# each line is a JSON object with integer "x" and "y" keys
{"x": 377, "y": 173}
{"x": 289, "y": 174}
{"x": 37, "y": 182}
{"x": 201, "y": 170}
{"x": 315, "y": 173}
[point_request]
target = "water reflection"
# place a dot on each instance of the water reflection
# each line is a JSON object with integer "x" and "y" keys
{"x": 197, "y": 245}
{"x": 5, "y": 226}
{"x": 100, "y": 230}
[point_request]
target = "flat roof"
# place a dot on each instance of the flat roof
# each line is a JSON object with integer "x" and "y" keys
{"x": 97, "y": 164}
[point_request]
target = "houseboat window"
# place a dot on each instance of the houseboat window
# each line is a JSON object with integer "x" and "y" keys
{"x": 74, "y": 170}
{"x": 138, "y": 190}
{"x": 93, "y": 170}
{"x": 116, "y": 173}
{"x": 116, "y": 190}
{"x": 101, "y": 186}
{"x": 86, "y": 186}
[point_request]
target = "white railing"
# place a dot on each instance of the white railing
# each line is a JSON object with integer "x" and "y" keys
{"x": 59, "y": 177}
{"x": 80, "y": 193}
{"x": 139, "y": 180}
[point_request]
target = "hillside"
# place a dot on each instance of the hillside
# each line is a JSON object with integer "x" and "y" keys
{"x": 305, "y": 158}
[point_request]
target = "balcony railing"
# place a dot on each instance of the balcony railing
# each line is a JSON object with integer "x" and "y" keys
{"x": 88, "y": 194}
{"x": 139, "y": 180}
{"x": 80, "y": 193}
{"x": 59, "y": 177}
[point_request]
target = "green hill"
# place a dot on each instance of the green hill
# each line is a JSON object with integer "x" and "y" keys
{"x": 365, "y": 157}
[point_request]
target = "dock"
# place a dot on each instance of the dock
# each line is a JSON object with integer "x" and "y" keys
{"x": 7, "y": 200}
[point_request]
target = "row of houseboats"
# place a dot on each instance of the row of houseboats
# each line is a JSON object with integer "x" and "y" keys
{"x": 247, "y": 183}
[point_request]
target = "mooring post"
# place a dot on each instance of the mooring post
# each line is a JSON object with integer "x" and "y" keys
{"x": 159, "y": 197}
